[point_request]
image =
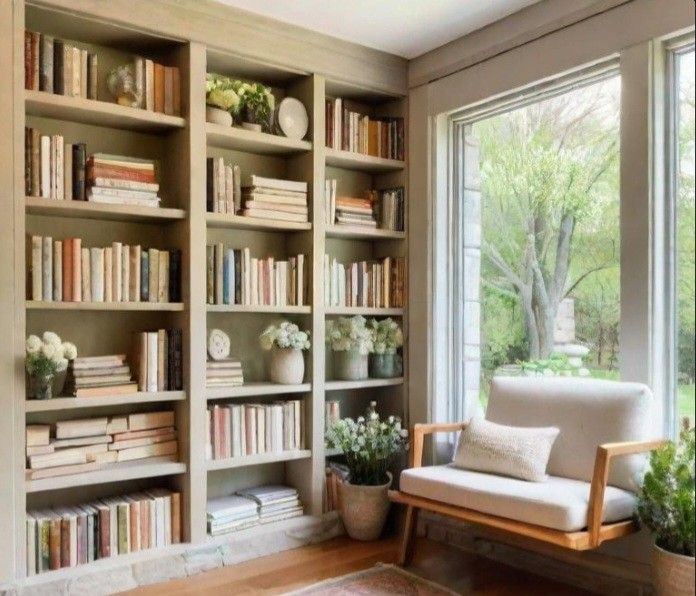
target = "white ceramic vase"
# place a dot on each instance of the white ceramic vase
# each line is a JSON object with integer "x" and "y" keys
{"x": 252, "y": 126}
{"x": 287, "y": 366}
{"x": 364, "y": 509}
{"x": 673, "y": 575}
{"x": 218, "y": 116}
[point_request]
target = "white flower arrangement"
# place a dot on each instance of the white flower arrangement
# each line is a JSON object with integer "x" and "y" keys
{"x": 368, "y": 445}
{"x": 285, "y": 335}
{"x": 348, "y": 334}
{"x": 48, "y": 355}
{"x": 387, "y": 336}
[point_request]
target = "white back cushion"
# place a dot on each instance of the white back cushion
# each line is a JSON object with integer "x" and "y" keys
{"x": 588, "y": 412}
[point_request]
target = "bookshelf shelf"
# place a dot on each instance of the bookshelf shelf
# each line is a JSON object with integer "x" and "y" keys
{"x": 250, "y": 141}
{"x": 76, "y": 403}
{"x": 255, "y": 389}
{"x": 150, "y": 468}
{"x": 240, "y": 222}
{"x": 106, "y": 306}
{"x": 255, "y": 460}
{"x": 366, "y": 384}
{"x": 354, "y": 232}
{"x": 359, "y": 161}
{"x": 348, "y": 311}
{"x": 100, "y": 113}
{"x": 239, "y": 308}
{"x": 87, "y": 210}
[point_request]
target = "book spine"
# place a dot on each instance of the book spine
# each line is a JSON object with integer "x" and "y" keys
{"x": 47, "y": 269}
{"x": 175, "y": 275}
{"x": 108, "y": 274}
{"x": 144, "y": 275}
{"x": 163, "y": 277}
{"x": 116, "y": 257}
{"x": 152, "y": 361}
{"x": 153, "y": 278}
{"x": 86, "y": 278}
{"x": 97, "y": 274}
{"x": 46, "y": 64}
{"x": 125, "y": 273}
{"x": 36, "y": 265}
{"x": 58, "y": 67}
{"x": 92, "y": 76}
{"x": 76, "y": 279}
{"x": 79, "y": 160}
{"x": 134, "y": 285}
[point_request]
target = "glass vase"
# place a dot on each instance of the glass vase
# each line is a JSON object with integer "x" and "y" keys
{"x": 41, "y": 387}
{"x": 386, "y": 366}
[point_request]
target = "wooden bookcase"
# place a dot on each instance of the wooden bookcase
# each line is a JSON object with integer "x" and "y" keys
{"x": 182, "y": 144}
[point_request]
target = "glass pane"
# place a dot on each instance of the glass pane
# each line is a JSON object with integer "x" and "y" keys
{"x": 549, "y": 242}
{"x": 685, "y": 238}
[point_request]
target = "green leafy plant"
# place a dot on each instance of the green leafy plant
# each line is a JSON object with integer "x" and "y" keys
{"x": 387, "y": 336}
{"x": 666, "y": 500}
{"x": 556, "y": 365}
{"x": 257, "y": 102}
{"x": 221, "y": 92}
{"x": 368, "y": 444}
{"x": 347, "y": 334}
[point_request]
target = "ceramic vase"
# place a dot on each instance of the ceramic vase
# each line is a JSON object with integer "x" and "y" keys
{"x": 386, "y": 366}
{"x": 673, "y": 575}
{"x": 364, "y": 509}
{"x": 350, "y": 365}
{"x": 287, "y": 366}
{"x": 218, "y": 116}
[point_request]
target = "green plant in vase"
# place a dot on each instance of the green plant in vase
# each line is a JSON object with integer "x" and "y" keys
{"x": 351, "y": 341}
{"x": 257, "y": 105}
{"x": 221, "y": 99}
{"x": 385, "y": 360}
{"x": 46, "y": 356}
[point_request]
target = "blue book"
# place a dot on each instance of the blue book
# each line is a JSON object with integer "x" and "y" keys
{"x": 144, "y": 276}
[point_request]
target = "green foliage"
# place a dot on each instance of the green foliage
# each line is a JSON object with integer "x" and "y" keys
{"x": 666, "y": 500}
{"x": 556, "y": 365}
{"x": 220, "y": 92}
{"x": 257, "y": 102}
{"x": 368, "y": 444}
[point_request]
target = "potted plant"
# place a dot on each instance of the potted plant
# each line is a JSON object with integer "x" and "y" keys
{"x": 368, "y": 444}
{"x": 385, "y": 362}
{"x": 221, "y": 99}
{"x": 286, "y": 343}
{"x": 666, "y": 507}
{"x": 351, "y": 341}
{"x": 257, "y": 105}
{"x": 46, "y": 356}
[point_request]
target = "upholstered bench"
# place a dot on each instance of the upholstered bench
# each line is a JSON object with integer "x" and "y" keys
{"x": 594, "y": 467}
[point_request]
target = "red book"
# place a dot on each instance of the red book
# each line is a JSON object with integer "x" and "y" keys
{"x": 67, "y": 270}
{"x": 159, "y": 88}
{"x": 104, "y": 532}
{"x": 121, "y": 173}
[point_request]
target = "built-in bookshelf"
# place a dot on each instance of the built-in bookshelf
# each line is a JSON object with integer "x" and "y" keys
{"x": 180, "y": 145}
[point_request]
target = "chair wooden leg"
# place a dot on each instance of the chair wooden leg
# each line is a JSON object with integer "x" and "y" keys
{"x": 407, "y": 543}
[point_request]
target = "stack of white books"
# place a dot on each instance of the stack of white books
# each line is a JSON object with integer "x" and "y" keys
{"x": 272, "y": 198}
{"x": 226, "y": 514}
{"x": 275, "y": 502}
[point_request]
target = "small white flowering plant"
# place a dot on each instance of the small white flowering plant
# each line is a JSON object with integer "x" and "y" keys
{"x": 368, "y": 444}
{"x": 350, "y": 334}
{"x": 387, "y": 336}
{"x": 48, "y": 355}
{"x": 221, "y": 92}
{"x": 285, "y": 335}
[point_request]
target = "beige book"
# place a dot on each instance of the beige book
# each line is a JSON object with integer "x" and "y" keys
{"x": 153, "y": 279}
{"x": 58, "y": 270}
{"x": 38, "y": 435}
{"x": 150, "y": 420}
{"x": 125, "y": 273}
{"x": 82, "y": 441}
{"x": 76, "y": 72}
{"x": 39, "y": 450}
{"x": 107, "y": 457}
{"x": 66, "y": 457}
{"x": 59, "y": 167}
{"x": 116, "y": 271}
{"x": 97, "y": 273}
{"x": 36, "y": 268}
{"x": 86, "y": 427}
{"x": 77, "y": 270}
{"x": 142, "y": 434}
{"x": 131, "y": 443}
{"x": 107, "y": 390}
{"x": 86, "y": 277}
{"x": 47, "y": 268}
{"x": 62, "y": 471}
{"x": 117, "y": 424}
{"x": 149, "y": 85}
{"x": 162, "y": 360}
{"x": 163, "y": 275}
{"x": 108, "y": 275}
{"x": 134, "y": 285}
{"x": 159, "y": 449}
{"x": 67, "y": 171}
{"x": 83, "y": 73}
{"x": 140, "y": 360}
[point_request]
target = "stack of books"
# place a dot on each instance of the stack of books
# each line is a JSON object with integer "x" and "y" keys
{"x": 354, "y": 211}
{"x": 275, "y": 199}
{"x": 227, "y": 514}
{"x": 65, "y": 271}
{"x": 238, "y": 430}
{"x": 159, "y": 360}
{"x": 224, "y": 186}
{"x": 234, "y": 277}
{"x": 370, "y": 284}
{"x": 389, "y": 207}
{"x": 102, "y": 375}
{"x": 56, "y": 66}
{"x": 224, "y": 373}
{"x": 71, "y": 536}
{"x": 87, "y": 444}
{"x": 159, "y": 86}
{"x": 121, "y": 180}
{"x": 351, "y": 130}
{"x": 275, "y": 502}
{"x": 53, "y": 169}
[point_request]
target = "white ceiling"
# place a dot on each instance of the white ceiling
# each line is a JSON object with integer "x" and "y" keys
{"x": 406, "y": 28}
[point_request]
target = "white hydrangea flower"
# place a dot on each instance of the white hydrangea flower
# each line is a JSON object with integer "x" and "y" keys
{"x": 52, "y": 338}
{"x": 33, "y": 344}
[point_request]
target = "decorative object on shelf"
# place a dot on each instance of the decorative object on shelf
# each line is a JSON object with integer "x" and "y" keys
{"x": 218, "y": 344}
{"x": 257, "y": 105}
{"x": 385, "y": 361}
{"x": 368, "y": 444}
{"x": 46, "y": 356}
{"x": 221, "y": 100}
{"x": 351, "y": 341}
{"x": 666, "y": 507}
{"x": 286, "y": 343}
{"x": 122, "y": 85}
{"x": 292, "y": 118}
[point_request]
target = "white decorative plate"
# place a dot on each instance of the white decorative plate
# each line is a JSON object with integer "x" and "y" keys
{"x": 292, "y": 118}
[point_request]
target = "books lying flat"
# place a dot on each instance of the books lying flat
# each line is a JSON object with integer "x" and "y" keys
{"x": 150, "y": 420}
{"x": 107, "y": 390}
{"x": 89, "y": 362}
{"x": 277, "y": 184}
{"x": 274, "y": 214}
{"x": 86, "y": 427}
{"x": 156, "y": 450}
{"x": 62, "y": 471}
{"x": 268, "y": 494}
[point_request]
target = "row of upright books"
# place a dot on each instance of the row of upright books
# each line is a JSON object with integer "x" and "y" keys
{"x": 159, "y": 360}
{"x": 224, "y": 373}
{"x": 239, "y": 430}
{"x": 352, "y": 130}
{"x": 382, "y": 209}
{"x": 369, "y": 284}
{"x": 158, "y": 86}
{"x": 87, "y": 444}
{"x": 252, "y": 506}
{"x": 235, "y": 277}
{"x": 60, "y": 537}
{"x": 65, "y": 271}
{"x": 57, "y": 66}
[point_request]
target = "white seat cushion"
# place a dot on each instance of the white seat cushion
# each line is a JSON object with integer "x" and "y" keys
{"x": 557, "y": 503}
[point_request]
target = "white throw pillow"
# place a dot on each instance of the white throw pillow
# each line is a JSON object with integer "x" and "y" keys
{"x": 520, "y": 452}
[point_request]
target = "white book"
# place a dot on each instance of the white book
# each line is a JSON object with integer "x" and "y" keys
{"x": 83, "y": 73}
{"x": 36, "y": 268}
{"x": 110, "y": 200}
{"x": 152, "y": 361}
{"x": 237, "y": 190}
{"x": 97, "y": 274}
{"x": 260, "y": 429}
{"x": 125, "y": 273}
{"x": 297, "y": 418}
{"x": 300, "y": 281}
{"x": 122, "y": 192}
{"x": 229, "y": 189}
{"x": 149, "y": 85}
{"x": 59, "y": 167}
{"x": 86, "y": 276}
{"x": 116, "y": 291}
{"x": 58, "y": 270}
{"x": 219, "y": 172}
{"x": 278, "y": 184}
{"x": 125, "y": 184}
{"x": 47, "y": 269}
{"x": 108, "y": 274}
{"x": 45, "y": 158}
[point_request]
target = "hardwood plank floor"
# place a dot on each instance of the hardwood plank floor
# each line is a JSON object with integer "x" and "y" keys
{"x": 290, "y": 570}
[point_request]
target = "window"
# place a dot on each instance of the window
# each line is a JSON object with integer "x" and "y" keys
{"x": 682, "y": 168}
{"x": 540, "y": 235}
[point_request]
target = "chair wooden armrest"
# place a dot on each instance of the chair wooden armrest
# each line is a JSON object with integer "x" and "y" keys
{"x": 605, "y": 454}
{"x": 418, "y": 435}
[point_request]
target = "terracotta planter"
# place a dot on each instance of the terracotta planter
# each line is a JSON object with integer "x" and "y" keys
{"x": 218, "y": 116}
{"x": 364, "y": 509}
{"x": 350, "y": 365}
{"x": 287, "y": 366}
{"x": 673, "y": 575}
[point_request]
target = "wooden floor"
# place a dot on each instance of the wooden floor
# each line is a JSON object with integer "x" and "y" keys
{"x": 281, "y": 573}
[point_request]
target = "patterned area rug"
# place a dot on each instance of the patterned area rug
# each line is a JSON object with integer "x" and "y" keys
{"x": 382, "y": 580}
